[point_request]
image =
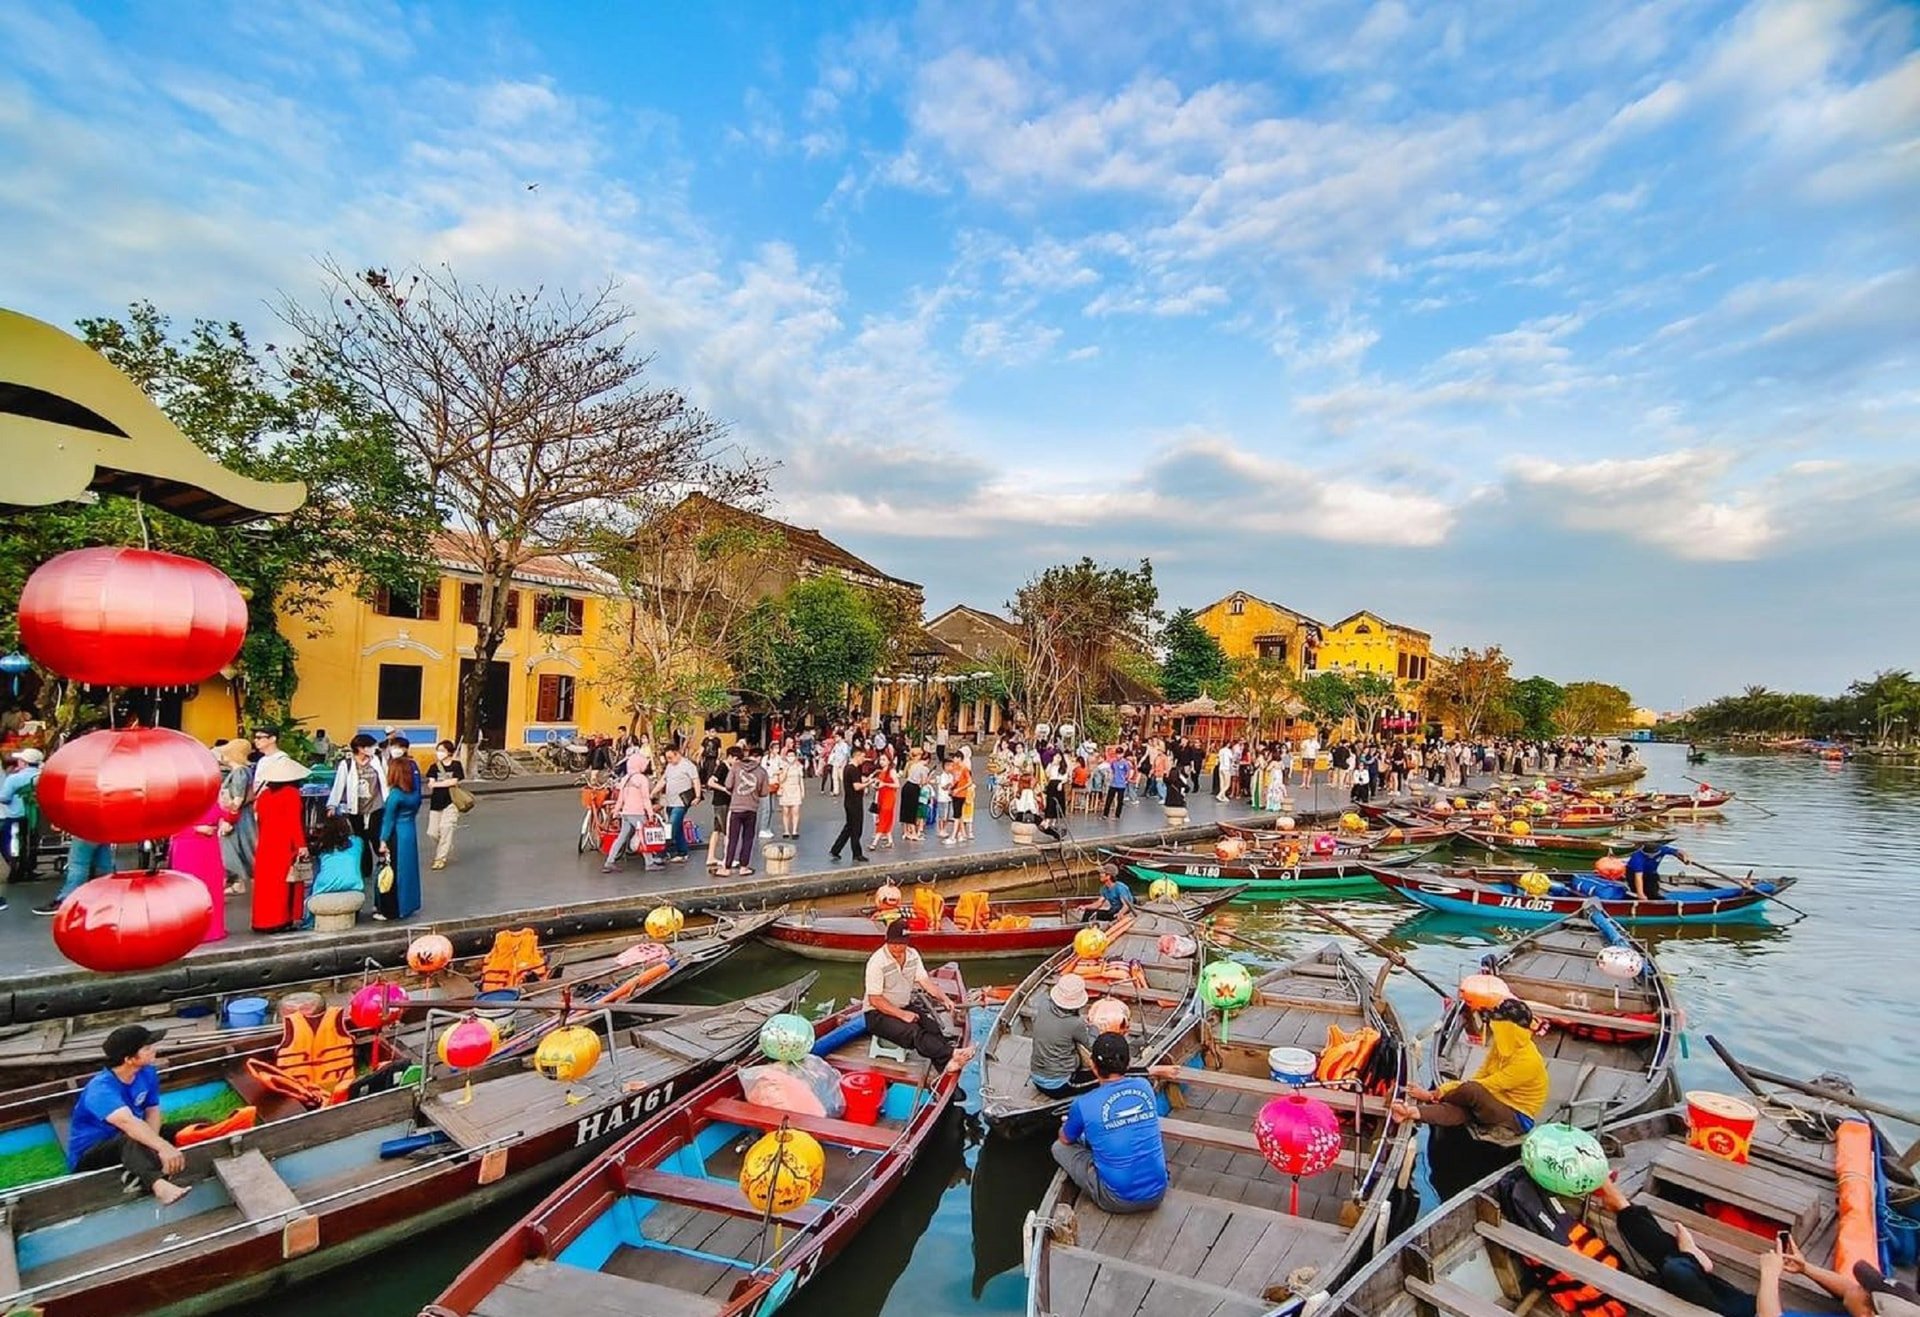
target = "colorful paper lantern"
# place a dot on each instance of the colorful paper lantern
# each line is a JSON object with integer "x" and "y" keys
{"x": 1483, "y": 992}
{"x": 429, "y": 953}
{"x": 1225, "y": 985}
{"x": 1621, "y": 962}
{"x": 664, "y": 921}
{"x": 128, "y": 785}
{"x": 1163, "y": 889}
{"x": 1520, "y": 827}
{"x": 567, "y": 1054}
{"x": 887, "y": 898}
{"x": 1229, "y": 849}
{"x": 1610, "y": 866}
{"x": 376, "y": 1005}
{"x": 786, "y": 1037}
{"x": 1535, "y": 883}
{"x": 1564, "y": 1160}
{"x": 1177, "y": 946}
{"x": 1285, "y": 823}
{"x": 131, "y": 617}
{"x": 1459, "y": 802}
{"x": 469, "y": 1042}
{"x": 1352, "y": 823}
{"x": 1323, "y": 844}
{"x": 1090, "y": 944}
{"x": 1298, "y": 1136}
{"x": 782, "y": 1170}
{"x": 129, "y": 921}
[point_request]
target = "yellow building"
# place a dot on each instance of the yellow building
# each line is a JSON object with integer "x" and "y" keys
{"x": 1367, "y": 642}
{"x": 397, "y": 660}
{"x": 1250, "y": 627}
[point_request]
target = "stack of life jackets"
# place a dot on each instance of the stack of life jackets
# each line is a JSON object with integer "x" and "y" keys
{"x": 972, "y": 911}
{"x": 314, "y": 1063}
{"x": 1526, "y": 1203}
{"x": 515, "y": 958}
{"x": 929, "y": 908}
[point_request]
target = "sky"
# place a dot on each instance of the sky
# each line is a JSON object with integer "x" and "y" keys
{"x": 1589, "y": 330}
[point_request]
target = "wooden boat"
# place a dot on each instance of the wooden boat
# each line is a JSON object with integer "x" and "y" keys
{"x": 1495, "y": 894}
{"x": 658, "y": 1224}
{"x": 294, "y": 1198}
{"x": 1609, "y": 1043}
{"x": 1375, "y": 841}
{"x": 1469, "y": 1259}
{"x": 69, "y": 1046}
{"x": 1261, "y": 878}
{"x": 1225, "y": 1240}
{"x": 1612, "y": 777}
{"x": 1690, "y": 804}
{"x": 1558, "y": 845}
{"x": 1160, "y": 999}
{"x": 1696, "y": 756}
{"x": 1038, "y": 927}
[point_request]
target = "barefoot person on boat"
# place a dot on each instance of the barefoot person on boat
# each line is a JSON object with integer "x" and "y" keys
{"x": 1506, "y": 1092}
{"x": 899, "y": 992}
{"x": 116, "y": 1118}
{"x": 1110, "y": 1144}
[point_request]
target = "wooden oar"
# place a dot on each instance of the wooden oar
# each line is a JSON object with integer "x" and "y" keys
{"x": 1748, "y": 885}
{"x": 1392, "y": 957}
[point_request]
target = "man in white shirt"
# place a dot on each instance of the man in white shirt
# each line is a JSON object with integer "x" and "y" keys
{"x": 1225, "y": 769}
{"x": 679, "y": 787}
{"x": 895, "y": 1009}
{"x": 1309, "y": 752}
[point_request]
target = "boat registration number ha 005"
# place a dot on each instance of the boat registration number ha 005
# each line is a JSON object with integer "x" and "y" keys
{"x": 628, "y": 1110}
{"x": 1525, "y": 903}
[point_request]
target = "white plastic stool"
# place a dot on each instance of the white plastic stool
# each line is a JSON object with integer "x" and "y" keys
{"x": 878, "y": 1047}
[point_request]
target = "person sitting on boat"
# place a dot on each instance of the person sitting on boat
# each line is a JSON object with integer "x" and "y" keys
{"x": 1060, "y": 1062}
{"x": 1110, "y": 1144}
{"x": 1115, "y": 898}
{"x": 1506, "y": 1092}
{"x": 899, "y": 1002}
{"x": 1643, "y": 869}
{"x": 116, "y": 1118}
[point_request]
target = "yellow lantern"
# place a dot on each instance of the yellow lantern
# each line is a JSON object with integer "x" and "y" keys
{"x": 1498, "y": 820}
{"x": 1352, "y": 823}
{"x": 1519, "y": 827}
{"x": 567, "y": 1054}
{"x": 1459, "y": 802}
{"x": 783, "y": 1170}
{"x": 1163, "y": 889}
{"x": 1535, "y": 883}
{"x": 664, "y": 922}
{"x": 1090, "y": 944}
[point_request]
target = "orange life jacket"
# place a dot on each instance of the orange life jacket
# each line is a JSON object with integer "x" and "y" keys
{"x": 313, "y": 1064}
{"x": 929, "y": 905}
{"x": 245, "y": 1118}
{"x": 1576, "y": 1296}
{"x": 972, "y": 911}
{"x": 1346, "y": 1054}
{"x": 515, "y": 958}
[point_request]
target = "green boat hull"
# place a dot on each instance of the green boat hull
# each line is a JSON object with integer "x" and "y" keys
{"x": 1259, "y": 888}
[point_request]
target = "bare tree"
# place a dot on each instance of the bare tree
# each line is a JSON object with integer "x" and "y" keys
{"x": 1076, "y": 619}
{"x": 1472, "y": 686}
{"x": 528, "y": 413}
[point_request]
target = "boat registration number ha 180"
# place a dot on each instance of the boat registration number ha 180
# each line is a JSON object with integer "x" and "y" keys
{"x": 625, "y": 1112}
{"x": 1203, "y": 870}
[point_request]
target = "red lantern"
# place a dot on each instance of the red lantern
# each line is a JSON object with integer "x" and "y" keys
{"x": 129, "y": 921}
{"x": 376, "y": 1005}
{"x": 469, "y": 1042}
{"x": 1610, "y": 866}
{"x": 131, "y": 617}
{"x": 429, "y": 953}
{"x": 1298, "y": 1136}
{"x": 123, "y": 786}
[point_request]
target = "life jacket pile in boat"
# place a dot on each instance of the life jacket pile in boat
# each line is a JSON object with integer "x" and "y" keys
{"x": 1533, "y": 1207}
{"x": 1344, "y": 1059}
{"x": 1010, "y": 923}
{"x": 972, "y": 911}
{"x": 515, "y": 958}
{"x": 314, "y": 1063}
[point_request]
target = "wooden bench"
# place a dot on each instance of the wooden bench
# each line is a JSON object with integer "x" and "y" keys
{"x": 1567, "y": 1015}
{"x": 1631, "y": 1290}
{"x": 542, "y": 1289}
{"x": 1450, "y": 1298}
{"x": 847, "y": 1133}
{"x": 1341, "y": 1100}
{"x": 1213, "y": 1136}
{"x": 1756, "y": 1188}
{"x": 257, "y": 1190}
{"x": 711, "y": 1196}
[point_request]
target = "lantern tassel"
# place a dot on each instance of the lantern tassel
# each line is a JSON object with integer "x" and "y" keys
{"x": 1293, "y": 1198}
{"x": 466, "y": 1095}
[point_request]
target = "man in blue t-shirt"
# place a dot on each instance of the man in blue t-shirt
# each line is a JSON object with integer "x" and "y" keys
{"x": 1110, "y": 1145}
{"x": 116, "y": 1118}
{"x": 1113, "y": 899}
{"x": 1643, "y": 869}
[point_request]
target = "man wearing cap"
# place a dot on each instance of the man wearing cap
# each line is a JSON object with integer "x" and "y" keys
{"x": 22, "y": 771}
{"x": 1115, "y": 896}
{"x": 1110, "y": 1145}
{"x": 116, "y": 1118}
{"x": 895, "y": 1012}
{"x": 1059, "y": 1061}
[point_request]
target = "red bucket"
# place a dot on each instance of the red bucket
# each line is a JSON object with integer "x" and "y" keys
{"x": 1720, "y": 1124}
{"x": 864, "y": 1092}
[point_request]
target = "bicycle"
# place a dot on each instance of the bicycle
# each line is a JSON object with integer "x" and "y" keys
{"x": 493, "y": 765}
{"x": 1005, "y": 792}
{"x": 598, "y": 820}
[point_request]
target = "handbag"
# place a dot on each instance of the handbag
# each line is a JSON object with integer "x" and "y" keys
{"x": 463, "y": 799}
{"x": 384, "y": 882}
{"x": 653, "y": 837}
{"x": 302, "y": 873}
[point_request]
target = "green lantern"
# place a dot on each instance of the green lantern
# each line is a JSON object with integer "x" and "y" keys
{"x": 1225, "y": 986}
{"x": 786, "y": 1038}
{"x": 1564, "y": 1160}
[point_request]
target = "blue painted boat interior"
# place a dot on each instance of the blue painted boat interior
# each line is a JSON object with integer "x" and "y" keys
{"x": 42, "y": 1134}
{"x": 620, "y": 1225}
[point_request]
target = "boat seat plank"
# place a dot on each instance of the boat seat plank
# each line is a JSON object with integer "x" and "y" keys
{"x": 1073, "y": 1270}
{"x": 1726, "y": 1243}
{"x": 1339, "y": 1099}
{"x": 257, "y": 1189}
{"x": 1252, "y": 1211}
{"x": 853, "y": 1057}
{"x": 541, "y": 1288}
{"x": 1757, "y": 1188}
{"x": 1568, "y": 1015}
{"x": 1631, "y": 1290}
{"x": 710, "y": 1196}
{"x": 1453, "y": 1300}
{"x": 1213, "y": 1136}
{"x": 846, "y": 1133}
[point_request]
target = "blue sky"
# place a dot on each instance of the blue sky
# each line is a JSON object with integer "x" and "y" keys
{"x": 1592, "y": 330}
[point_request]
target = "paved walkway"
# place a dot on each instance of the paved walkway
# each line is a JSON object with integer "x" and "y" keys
{"x": 515, "y": 855}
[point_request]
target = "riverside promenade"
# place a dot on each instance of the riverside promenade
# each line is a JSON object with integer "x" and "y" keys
{"x": 516, "y": 863}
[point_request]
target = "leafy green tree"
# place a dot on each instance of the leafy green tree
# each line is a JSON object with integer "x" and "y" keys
{"x": 1194, "y": 664}
{"x": 1593, "y": 706}
{"x": 803, "y": 648}
{"x": 1371, "y": 694}
{"x": 1261, "y": 690}
{"x": 1328, "y": 696}
{"x": 273, "y": 416}
{"x": 1075, "y": 618}
{"x": 1471, "y": 688}
{"x": 1534, "y": 702}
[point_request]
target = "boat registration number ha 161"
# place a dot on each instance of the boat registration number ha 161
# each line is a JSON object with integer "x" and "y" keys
{"x": 627, "y": 1111}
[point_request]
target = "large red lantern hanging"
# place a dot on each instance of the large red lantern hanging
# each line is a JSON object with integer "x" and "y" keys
{"x": 129, "y": 921}
{"x": 128, "y": 785}
{"x": 1298, "y": 1135}
{"x": 469, "y": 1042}
{"x": 131, "y": 617}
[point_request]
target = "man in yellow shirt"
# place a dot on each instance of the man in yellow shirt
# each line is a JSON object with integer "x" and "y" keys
{"x": 1506, "y": 1092}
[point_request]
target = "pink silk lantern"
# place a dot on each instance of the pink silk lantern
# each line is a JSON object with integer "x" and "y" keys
{"x": 376, "y": 1005}
{"x": 131, "y": 617}
{"x": 129, "y": 785}
{"x": 129, "y": 921}
{"x": 469, "y": 1043}
{"x": 1298, "y": 1136}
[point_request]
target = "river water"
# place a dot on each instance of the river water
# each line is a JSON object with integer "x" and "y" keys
{"x": 1834, "y": 991}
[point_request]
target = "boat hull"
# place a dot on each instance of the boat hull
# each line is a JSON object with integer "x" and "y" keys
{"x": 1460, "y": 896}
{"x": 1262, "y": 880}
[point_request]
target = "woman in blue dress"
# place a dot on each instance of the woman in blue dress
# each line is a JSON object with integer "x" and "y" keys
{"x": 399, "y": 841}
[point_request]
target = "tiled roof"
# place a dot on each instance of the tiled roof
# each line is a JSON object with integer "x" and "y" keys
{"x": 1368, "y": 612}
{"x": 456, "y": 551}
{"x": 805, "y": 542}
{"x": 1279, "y": 608}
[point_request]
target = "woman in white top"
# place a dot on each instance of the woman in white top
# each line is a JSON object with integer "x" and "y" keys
{"x": 791, "y": 780}
{"x": 942, "y": 801}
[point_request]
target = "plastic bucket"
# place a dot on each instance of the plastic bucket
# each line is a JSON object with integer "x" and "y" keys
{"x": 865, "y": 1092}
{"x": 1720, "y": 1124}
{"x": 246, "y": 1013}
{"x": 1291, "y": 1065}
{"x": 496, "y": 1005}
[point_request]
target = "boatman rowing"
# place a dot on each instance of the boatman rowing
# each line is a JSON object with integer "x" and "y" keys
{"x": 899, "y": 1002}
{"x": 1643, "y": 869}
